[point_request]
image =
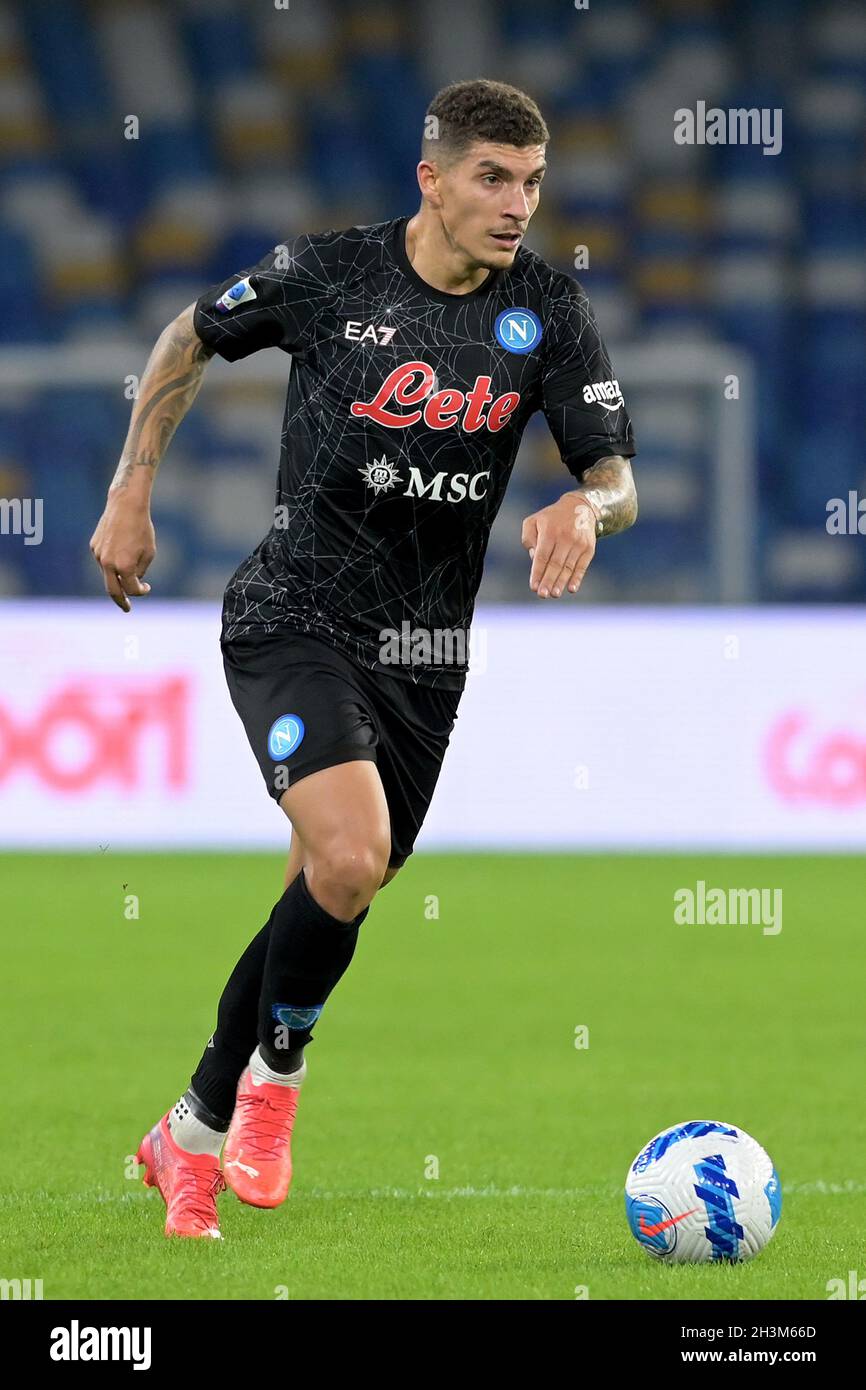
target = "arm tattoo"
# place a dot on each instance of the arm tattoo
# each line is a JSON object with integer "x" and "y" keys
{"x": 168, "y": 388}
{"x": 609, "y": 485}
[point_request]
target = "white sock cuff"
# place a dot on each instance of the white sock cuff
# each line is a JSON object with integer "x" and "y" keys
{"x": 192, "y": 1134}
{"x": 260, "y": 1072}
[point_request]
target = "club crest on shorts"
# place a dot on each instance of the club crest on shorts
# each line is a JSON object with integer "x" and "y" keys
{"x": 286, "y": 734}
{"x": 518, "y": 330}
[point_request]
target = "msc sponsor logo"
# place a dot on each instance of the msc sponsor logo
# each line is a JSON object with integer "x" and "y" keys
{"x": 604, "y": 393}
{"x": 414, "y": 383}
{"x": 460, "y": 486}
{"x": 518, "y": 330}
{"x": 381, "y": 476}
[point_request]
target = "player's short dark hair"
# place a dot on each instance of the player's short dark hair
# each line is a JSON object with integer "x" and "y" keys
{"x": 466, "y": 112}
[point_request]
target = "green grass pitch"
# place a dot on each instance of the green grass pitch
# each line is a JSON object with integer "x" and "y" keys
{"x": 451, "y": 1142}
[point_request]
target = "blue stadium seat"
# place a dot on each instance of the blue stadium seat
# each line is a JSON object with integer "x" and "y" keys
{"x": 23, "y": 319}
{"x": 217, "y": 40}
{"x": 760, "y": 252}
{"x": 63, "y": 52}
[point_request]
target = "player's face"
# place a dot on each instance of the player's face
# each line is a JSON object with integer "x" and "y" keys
{"x": 488, "y": 198}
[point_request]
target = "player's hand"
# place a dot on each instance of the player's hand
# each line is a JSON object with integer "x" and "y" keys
{"x": 561, "y": 543}
{"x": 123, "y": 545}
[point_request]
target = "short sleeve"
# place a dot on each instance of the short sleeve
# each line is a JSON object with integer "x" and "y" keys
{"x": 274, "y": 304}
{"x": 581, "y": 397}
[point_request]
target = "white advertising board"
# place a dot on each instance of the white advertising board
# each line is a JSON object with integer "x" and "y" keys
{"x": 580, "y": 729}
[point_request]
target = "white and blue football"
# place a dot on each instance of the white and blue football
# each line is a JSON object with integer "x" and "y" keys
{"x": 702, "y": 1191}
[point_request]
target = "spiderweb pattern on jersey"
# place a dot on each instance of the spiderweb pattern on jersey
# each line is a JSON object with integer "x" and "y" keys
{"x": 354, "y": 561}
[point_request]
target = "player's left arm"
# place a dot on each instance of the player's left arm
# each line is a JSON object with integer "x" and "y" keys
{"x": 561, "y": 538}
{"x": 586, "y": 413}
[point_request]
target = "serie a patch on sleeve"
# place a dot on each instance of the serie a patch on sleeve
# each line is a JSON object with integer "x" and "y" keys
{"x": 241, "y": 293}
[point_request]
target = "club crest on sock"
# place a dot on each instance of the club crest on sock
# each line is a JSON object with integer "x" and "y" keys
{"x": 293, "y": 1017}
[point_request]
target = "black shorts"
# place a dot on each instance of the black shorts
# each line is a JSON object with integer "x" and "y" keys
{"x": 306, "y": 706}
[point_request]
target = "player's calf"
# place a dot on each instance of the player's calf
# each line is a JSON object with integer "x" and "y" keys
{"x": 309, "y": 949}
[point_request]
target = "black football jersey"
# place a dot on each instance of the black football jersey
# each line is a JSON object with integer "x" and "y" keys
{"x": 404, "y": 413}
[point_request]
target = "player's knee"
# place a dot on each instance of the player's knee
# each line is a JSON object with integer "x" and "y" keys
{"x": 348, "y": 874}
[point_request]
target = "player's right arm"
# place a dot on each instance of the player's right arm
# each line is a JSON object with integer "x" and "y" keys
{"x": 124, "y": 542}
{"x": 275, "y": 304}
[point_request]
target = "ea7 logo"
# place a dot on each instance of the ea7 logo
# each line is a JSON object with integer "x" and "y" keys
{"x": 368, "y": 333}
{"x": 604, "y": 393}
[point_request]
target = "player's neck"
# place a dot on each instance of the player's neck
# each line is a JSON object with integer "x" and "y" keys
{"x": 442, "y": 265}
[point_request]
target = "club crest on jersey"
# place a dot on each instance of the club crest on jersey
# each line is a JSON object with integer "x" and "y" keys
{"x": 240, "y": 293}
{"x": 518, "y": 330}
{"x": 286, "y": 734}
{"x": 415, "y": 382}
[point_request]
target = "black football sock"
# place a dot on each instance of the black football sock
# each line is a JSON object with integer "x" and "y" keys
{"x": 215, "y": 1080}
{"x": 308, "y": 953}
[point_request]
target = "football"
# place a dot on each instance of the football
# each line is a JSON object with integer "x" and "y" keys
{"x": 702, "y": 1191}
